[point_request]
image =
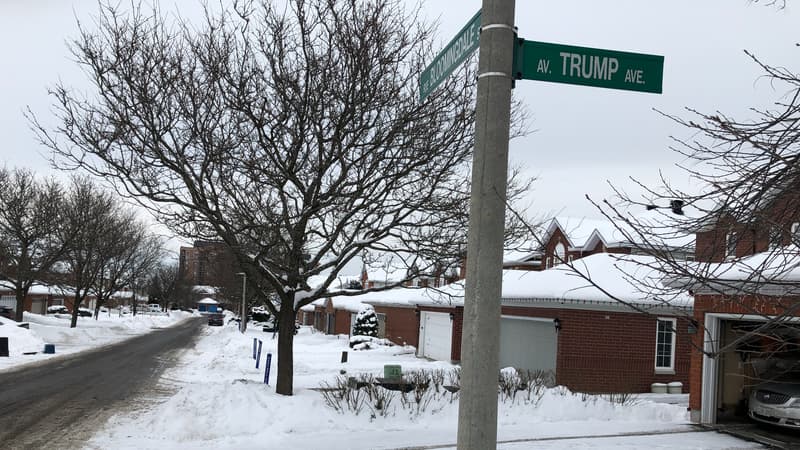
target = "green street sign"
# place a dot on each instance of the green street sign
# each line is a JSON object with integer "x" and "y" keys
{"x": 465, "y": 42}
{"x": 586, "y": 66}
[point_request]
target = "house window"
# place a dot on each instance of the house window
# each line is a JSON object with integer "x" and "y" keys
{"x": 730, "y": 244}
{"x": 561, "y": 254}
{"x": 665, "y": 345}
{"x": 795, "y": 237}
{"x": 9, "y": 300}
{"x": 381, "y": 325}
{"x": 775, "y": 238}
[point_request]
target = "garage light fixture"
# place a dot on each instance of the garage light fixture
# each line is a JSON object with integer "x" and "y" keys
{"x": 452, "y": 316}
{"x": 557, "y": 324}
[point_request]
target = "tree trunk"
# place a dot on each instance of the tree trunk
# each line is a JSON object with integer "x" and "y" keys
{"x": 75, "y": 304}
{"x": 20, "y": 305}
{"x": 285, "y": 382}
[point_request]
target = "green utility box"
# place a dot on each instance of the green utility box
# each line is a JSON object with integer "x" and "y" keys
{"x": 392, "y": 371}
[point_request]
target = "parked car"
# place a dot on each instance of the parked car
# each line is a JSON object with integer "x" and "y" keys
{"x": 57, "y": 309}
{"x": 85, "y": 312}
{"x": 7, "y": 312}
{"x": 777, "y": 402}
{"x": 216, "y": 319}
{"x": 154, "y": 307}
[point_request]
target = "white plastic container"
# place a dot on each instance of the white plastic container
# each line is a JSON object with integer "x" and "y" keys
{"x": 676, "y": 387}
{"x": 658, "y": 388}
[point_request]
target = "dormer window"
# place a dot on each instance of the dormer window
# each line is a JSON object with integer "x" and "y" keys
{"x": 561, "y": 254}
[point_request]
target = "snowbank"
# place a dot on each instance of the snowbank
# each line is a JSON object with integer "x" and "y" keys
{"x": 221, "y": 402}
{"x": 90, "y": 333}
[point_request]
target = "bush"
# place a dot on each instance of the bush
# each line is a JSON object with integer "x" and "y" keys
{"x": 366, "y": 323}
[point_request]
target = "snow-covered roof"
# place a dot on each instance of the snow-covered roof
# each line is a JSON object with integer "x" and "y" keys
{"x": 208, "y": 301}
{"x": 656, "y": 225}
{"x": 346, "y": 302}
{"x": 410, "y": 297}
{"x": 775, "y": 272}
{"x": 631, "y": 279}
{"x": 204, "y": 289}
{"x": 41, "y": 289}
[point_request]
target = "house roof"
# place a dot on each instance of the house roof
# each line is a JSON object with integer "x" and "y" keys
{"x": 39, "y": 288}
{"x": 631, "y": 279}
{"x": 207, "y": 301}
{"x": 775, "y": 272}
{"x": 204, "y": 289}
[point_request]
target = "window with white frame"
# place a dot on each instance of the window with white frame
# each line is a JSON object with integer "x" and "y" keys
{"x": 665, "y": 345}
{"x": 561, "y": 254}
{"x": 730, "y": 244}
{"x": 10, "y": 301}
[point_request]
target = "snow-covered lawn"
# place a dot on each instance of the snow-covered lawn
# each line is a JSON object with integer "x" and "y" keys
{"x": 220, "y": 401}
{"x": 90, "y": 333}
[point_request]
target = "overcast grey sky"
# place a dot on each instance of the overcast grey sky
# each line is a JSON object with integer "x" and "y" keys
{"x": 584, "y": 135}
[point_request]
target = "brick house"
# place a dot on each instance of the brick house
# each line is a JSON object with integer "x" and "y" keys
{"x": 552, "y": 320}
{"x": 566, "y": 239}
{"x": 747, "y": 304}
{"x": 40, "y": 297}
{"x": 334, "y": 315}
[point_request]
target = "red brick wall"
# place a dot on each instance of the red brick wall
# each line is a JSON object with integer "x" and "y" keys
{"x": 606, "y": 351}
{"x": 402, "y": 324}
{"x": 341, "y": 323}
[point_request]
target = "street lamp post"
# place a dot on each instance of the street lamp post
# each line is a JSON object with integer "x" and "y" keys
{"x": 243, "y": 322}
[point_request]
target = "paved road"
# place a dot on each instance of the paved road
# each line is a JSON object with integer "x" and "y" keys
{"x": 61, "y": 403}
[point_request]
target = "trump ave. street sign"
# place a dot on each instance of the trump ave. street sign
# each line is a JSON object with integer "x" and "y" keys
{"x": 465, "y": 42}
{"x": 588, "y": 66}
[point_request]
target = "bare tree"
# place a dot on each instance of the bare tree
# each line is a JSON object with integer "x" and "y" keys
{"x": 746, "y": 218}
{"x": 295, "y": 135}
{"x": 88, "y": 220}
{"x": 165, "y": 284}
{"x": 31, "y": 242}
{"x": 128, "y": 253}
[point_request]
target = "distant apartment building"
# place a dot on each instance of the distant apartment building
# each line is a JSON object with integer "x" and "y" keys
{"x": 206, "y": 263}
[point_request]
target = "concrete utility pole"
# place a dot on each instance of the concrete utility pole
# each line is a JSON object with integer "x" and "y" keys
{"x": 480, "y": 344}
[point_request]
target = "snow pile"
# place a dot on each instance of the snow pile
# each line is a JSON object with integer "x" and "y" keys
{"x": 90, "y": 333}
{"x": 20, "y": 341}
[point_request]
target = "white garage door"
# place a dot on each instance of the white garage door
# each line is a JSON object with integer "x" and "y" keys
{"x": 528, "y": 343}
{"x": 435, "y": 332}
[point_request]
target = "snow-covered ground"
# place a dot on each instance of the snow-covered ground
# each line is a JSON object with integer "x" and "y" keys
{"x": 90, "y": 333}
{"x": 220, "y": 401}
